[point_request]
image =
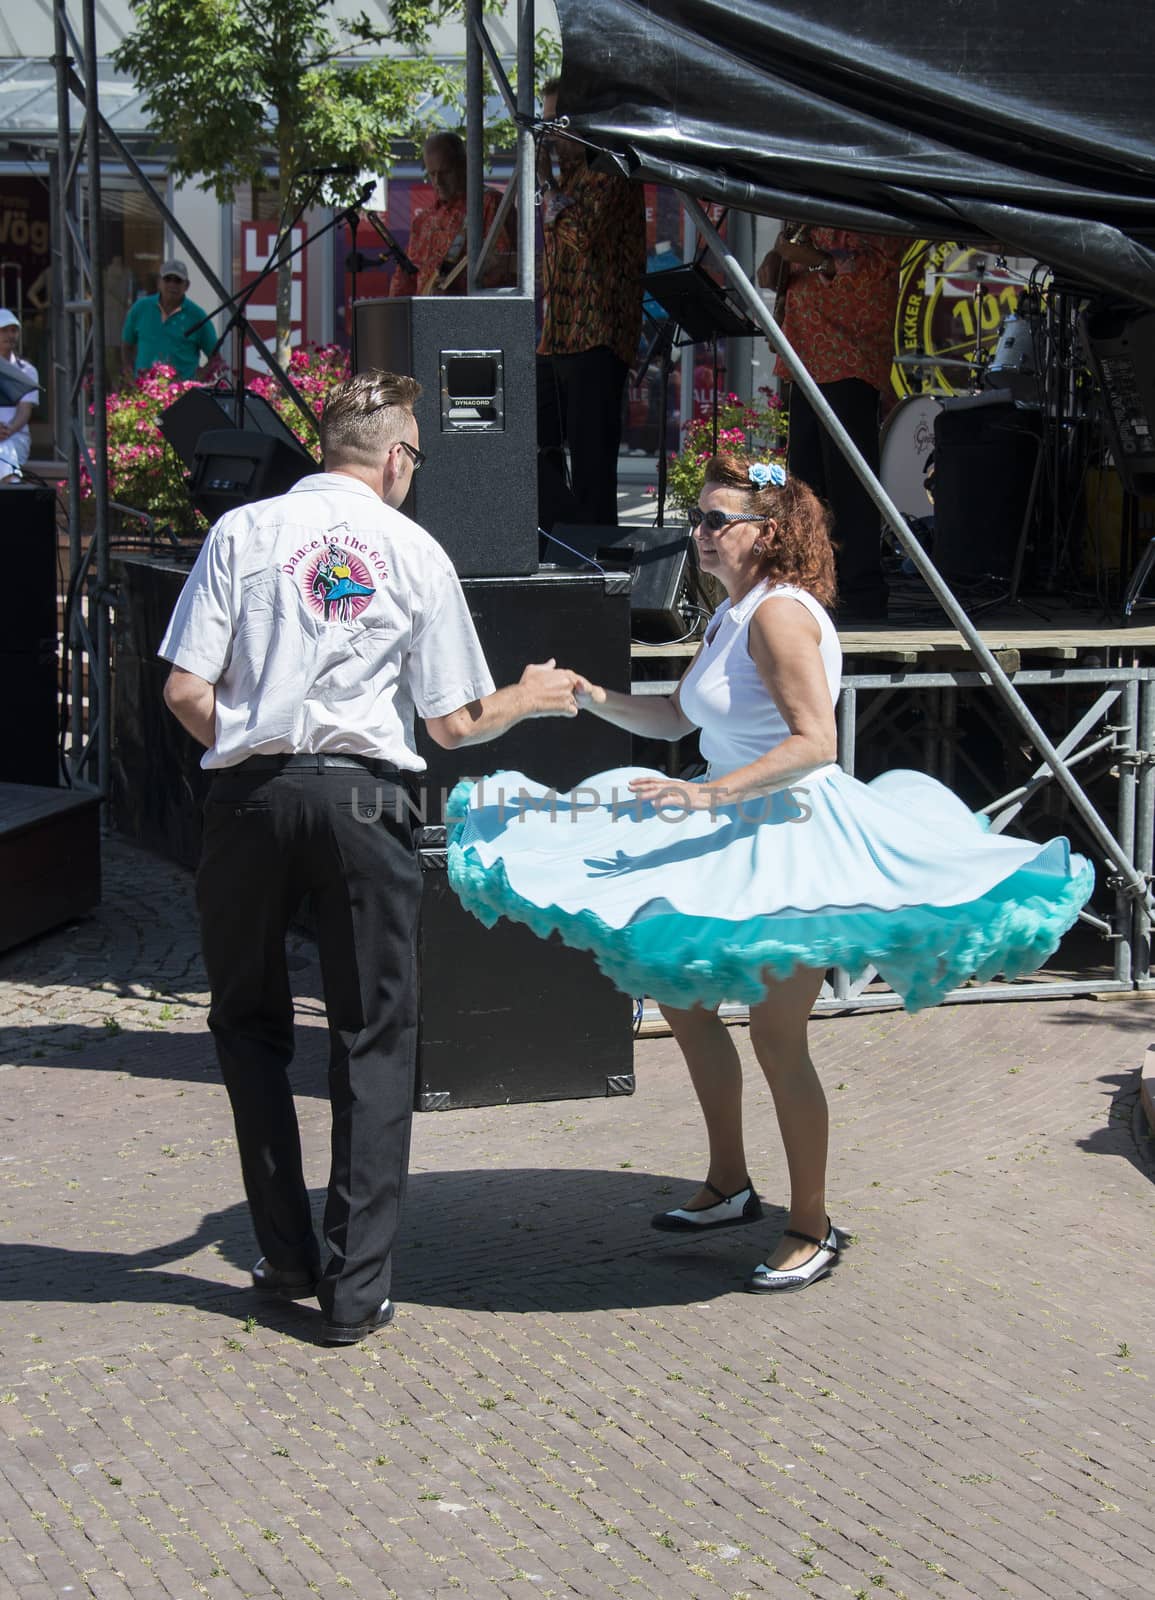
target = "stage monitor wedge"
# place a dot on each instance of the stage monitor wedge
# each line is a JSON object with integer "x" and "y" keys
{"x": 234, "y": 467}
{"x": 235, "y": 452}
{"x": 198, "y": 411}
{"x": 474, "y": 359}
{"x": 656, "y": 558}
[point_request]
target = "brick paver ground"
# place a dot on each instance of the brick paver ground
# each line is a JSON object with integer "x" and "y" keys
{"x": 570, "y": 1403}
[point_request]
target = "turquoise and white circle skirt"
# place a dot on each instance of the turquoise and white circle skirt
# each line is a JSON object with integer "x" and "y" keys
{"x": 696, "y": 907}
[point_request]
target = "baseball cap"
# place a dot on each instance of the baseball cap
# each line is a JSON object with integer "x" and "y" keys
{"x": 9, "y": 319}
{"x": 174, "y": 269}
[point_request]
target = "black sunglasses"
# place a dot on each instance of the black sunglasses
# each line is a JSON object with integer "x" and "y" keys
{"x": 715, "y": 521}
{"x": 418, "y": 457}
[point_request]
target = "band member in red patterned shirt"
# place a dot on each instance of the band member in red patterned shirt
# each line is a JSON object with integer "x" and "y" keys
{"x": 437, "y": 243}
{"x": 594, "y": 255}
{"x": 840, "y": 305}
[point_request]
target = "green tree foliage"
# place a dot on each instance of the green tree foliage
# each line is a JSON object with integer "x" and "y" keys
{"x": 234, "y": 86}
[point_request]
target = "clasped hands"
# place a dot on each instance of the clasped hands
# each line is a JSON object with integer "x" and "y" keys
{"x": 558, "y": 692}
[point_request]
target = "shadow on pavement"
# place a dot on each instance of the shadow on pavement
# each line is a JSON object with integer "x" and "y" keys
{"x": 182, "y": 1054}
{"x": 514, "y": 1241}
{"x": 1119, "y": 1135}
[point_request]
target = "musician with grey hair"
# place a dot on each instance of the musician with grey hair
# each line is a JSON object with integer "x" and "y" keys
{"x": 311, "y": 631}
{"x": 19, "y": 385}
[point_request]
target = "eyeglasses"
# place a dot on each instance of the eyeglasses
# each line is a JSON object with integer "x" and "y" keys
{"x": 715, "y": 521}
{"x": 418, "y": 457}
{"x": 171, "y": 277}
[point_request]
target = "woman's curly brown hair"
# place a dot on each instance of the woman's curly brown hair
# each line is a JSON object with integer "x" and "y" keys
{"x": 801, "y": 552}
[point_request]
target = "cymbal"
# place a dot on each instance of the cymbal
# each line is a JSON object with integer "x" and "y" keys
{"x": 915, "y": 358}
{"x": 969, "y": 275}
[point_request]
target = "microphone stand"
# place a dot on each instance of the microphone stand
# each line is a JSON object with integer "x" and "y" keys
{"x": 392, "y": 248}
{"x": 236, "y": 305}
{"x": 356, "y": 263}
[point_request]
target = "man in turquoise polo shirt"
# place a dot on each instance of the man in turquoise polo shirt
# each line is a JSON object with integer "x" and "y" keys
{"x": 164, "y": 327}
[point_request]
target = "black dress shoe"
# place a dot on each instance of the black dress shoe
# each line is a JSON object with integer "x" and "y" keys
{"x": 354, "y": 1332}
{"x": 287, "y": 1283}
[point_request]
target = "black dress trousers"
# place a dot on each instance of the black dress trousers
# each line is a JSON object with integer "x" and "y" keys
{"x": 345, "y": 838}
{"x": 580, "y": 403}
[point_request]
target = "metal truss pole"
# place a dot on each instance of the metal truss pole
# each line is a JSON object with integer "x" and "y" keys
{"x": 525, "y": 147}
{"x": 474, "y": 144}
{"x": 66, "y": 347}
{"x": 100, "y": 653}
{"x": 1144, "y": 830}
{"x": 1134, "y": 882}
{"x": 520, "y": 190}
{"x": 79, "y": 330}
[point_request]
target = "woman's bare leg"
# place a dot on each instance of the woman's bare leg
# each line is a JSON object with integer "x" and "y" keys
{"x": 716, "y": 1073}
{"x": 778, "y": 1028}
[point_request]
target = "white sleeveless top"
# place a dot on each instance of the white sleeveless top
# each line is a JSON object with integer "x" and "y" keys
{"x": 724, "y": 694}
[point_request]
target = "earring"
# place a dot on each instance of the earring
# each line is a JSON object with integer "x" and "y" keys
{"x": 759, "y": 547}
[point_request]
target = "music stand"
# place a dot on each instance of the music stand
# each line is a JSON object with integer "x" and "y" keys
{"x": 699, "y": 305}
{"x": 702, "y": 309}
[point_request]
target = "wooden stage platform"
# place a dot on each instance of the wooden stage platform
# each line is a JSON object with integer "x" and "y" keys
{"x": 1065, "y": 636}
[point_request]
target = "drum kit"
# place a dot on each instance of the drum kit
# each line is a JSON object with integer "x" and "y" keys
{"x": 1010, "y": 371}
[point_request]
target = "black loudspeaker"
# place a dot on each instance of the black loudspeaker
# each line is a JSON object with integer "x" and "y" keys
{"x": 984, "y": 462}
{"x": 554, "y": 1027}
{"x": 234, "y": 456}
{"x": 156, "y": 785}
{"x": 477, "y": 415}
{"x": 198, "y": 411}
{"x": 576, "y": 620}
{"x": 1121, "y": 345}
{"x": 30, "y": 705}
{"x": 655, "y": 558}
{"x": 233, "y": 468}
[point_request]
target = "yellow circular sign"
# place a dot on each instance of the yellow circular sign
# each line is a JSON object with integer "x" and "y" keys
{"x": 952, "y": 302}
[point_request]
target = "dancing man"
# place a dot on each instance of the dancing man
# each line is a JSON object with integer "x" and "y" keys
{"x": 305, "y": 706}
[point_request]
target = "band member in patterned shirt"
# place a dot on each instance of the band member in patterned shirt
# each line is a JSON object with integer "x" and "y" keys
{"x": 437, "y": 243}
{"x": 594, "y": 255}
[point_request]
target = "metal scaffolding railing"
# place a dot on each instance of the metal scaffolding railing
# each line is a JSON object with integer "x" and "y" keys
{"x": 79, "y": 355}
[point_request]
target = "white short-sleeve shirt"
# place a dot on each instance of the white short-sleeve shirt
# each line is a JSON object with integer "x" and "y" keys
{"x": 325, "y": 619}
{"x": 30, "y": 372}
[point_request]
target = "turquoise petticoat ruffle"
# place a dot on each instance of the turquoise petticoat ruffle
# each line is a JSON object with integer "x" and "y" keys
{"x": 922, "y": 951}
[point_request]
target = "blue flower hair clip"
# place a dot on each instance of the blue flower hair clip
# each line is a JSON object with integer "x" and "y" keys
{"x": 761, "y": 473}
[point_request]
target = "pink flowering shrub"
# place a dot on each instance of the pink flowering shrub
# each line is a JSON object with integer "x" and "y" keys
{"x": 144, "y": 470}
{"x": 753, "y": 431}
{"x": 314, "y": 371}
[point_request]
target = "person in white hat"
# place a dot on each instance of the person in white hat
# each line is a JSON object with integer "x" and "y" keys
{"x": 15, "y": 409}
{"x": 167, "y": 326}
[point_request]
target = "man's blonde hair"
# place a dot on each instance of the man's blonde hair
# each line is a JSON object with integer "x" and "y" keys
{"x": 364, "y": 416}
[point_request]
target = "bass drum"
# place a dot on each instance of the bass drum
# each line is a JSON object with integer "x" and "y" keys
{"x": 905, "y": 448}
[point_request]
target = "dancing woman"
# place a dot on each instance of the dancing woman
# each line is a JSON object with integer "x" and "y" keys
{"x": 748, "y": 884}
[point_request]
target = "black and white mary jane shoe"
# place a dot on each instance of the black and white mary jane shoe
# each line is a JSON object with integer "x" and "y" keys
{"x": 731, "y": 1211}
{"x": 778, "y": 1280}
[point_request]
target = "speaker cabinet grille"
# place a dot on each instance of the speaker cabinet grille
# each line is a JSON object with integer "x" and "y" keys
{"x": 477, "y": 415}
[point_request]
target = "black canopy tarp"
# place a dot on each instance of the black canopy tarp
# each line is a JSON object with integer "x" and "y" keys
{"x": 1030, "y": 127}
